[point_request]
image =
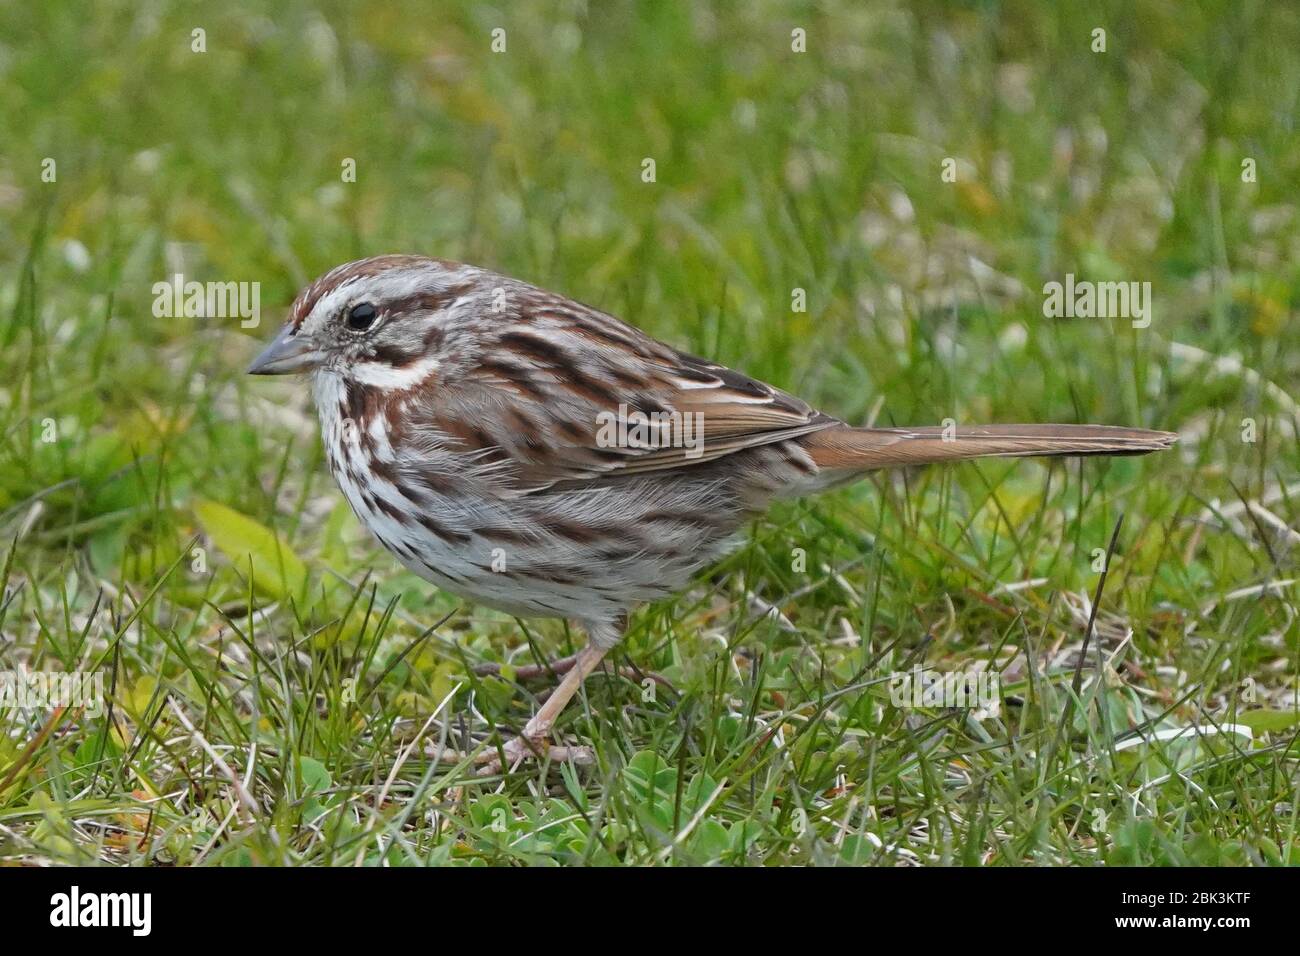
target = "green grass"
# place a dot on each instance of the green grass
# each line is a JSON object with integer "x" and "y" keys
{"x": 268, "y": 721}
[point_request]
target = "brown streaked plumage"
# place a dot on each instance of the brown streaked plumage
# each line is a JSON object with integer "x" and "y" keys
{"x": 467, "y": 419}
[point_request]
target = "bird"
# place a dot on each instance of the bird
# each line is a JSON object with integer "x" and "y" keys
{"x": 544, "y": 458}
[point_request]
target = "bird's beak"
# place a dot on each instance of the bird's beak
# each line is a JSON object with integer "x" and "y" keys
{"x": 286, "y": 353}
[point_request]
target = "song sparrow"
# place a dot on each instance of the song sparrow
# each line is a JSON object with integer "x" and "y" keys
{"x": 467, "y": 419}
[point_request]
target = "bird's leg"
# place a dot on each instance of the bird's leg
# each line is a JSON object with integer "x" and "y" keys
{"x": 562, "y": 665}
{"x": 532, "y": 742}
{"x": 559, "y": 666}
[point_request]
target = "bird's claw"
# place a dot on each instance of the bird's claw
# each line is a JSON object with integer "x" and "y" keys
{"x": 516, "y": 751}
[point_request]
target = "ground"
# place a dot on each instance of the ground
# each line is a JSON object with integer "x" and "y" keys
{"x": 863, "y": 204}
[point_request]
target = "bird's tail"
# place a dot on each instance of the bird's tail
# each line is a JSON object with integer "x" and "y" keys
{"x": 864, "y": 449}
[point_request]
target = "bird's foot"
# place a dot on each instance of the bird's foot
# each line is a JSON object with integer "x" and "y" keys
{"x": 515, "y": 751}
{"x": 521, "y": 748}
{"x": 532, "y": 742}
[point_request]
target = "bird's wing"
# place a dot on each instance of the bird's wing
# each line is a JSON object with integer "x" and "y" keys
{"x": 565, "y": 393}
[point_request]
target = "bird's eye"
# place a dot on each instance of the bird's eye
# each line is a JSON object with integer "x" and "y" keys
{"x": 361, "y": 317}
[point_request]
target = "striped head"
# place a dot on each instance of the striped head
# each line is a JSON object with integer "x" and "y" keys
{"x": 379, "y": 321}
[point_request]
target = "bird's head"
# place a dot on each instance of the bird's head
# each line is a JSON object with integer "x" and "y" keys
{"x": 378, "y": 321}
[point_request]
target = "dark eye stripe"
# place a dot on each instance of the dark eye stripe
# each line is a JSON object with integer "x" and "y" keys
{"x": 395, "y": 356}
